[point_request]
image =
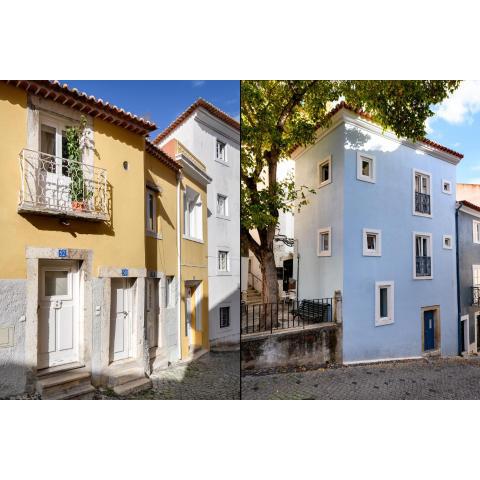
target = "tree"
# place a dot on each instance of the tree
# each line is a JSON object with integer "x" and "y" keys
{"x": 278, "y": 115}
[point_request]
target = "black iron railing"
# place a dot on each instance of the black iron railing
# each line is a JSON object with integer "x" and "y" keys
{"x": 476, "y": 296}
{"x": 270, "y": 317}
{"x": 422, "y": 203}
{"x": 423, "y": 266}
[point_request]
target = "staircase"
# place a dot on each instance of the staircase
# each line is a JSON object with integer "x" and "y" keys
{"x": 129, "y": 380}
{"x": 67, "y": 385}
{"x": 253, "y": 296}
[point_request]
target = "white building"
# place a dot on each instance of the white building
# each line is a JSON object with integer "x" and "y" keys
{"x": 214, "y": 138}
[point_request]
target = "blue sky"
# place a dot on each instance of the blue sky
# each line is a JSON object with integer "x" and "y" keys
{"x": 161, "y": 101}
{"x": 456, "y": 125}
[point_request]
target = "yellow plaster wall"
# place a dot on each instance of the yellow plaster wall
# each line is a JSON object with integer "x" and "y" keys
{"x": 161, "y": 254}
{"x": 119, "y": 244}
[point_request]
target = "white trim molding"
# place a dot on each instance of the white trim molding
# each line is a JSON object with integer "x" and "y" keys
{"x": 361, "y": 156}
{"x": 378, "y": 242}
{"x": 430, "y": 254}
{"x": 447, "y": 242}
{"x": 430, "y": 192}
{"x": 327, "y": 160}
{"x": 390, "y": 318}
{"x": 476, "y": 236}
{"x": 446, "y": 186}
{"x": 327, "y": 252}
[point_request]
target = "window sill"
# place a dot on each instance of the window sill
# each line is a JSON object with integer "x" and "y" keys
{"x": 325, "y": 183}
{"x": 222, "y": 162}
{"x": 380, "y": 322}
{"x": 224, "y": 274}
{"x": 324, "y": 254}
{"x": 418, "y": 214}
{"x": 423, "y": 278}
{"x": 366, "y": 179}
{"x": 372, "y": 254}
{"x": 156, "y": 235}
{"x": 192, "y": 239}
{"x": 223, "y": 217}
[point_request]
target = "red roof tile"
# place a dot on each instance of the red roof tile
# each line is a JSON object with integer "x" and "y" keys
{"x": 87, "y": 104}
{"x": 200, "y": 103}
{"x": 470, "y": 204}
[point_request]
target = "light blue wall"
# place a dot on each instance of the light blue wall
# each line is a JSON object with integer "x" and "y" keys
{"x": 387, "y": 205}
{"x": 319, "y": 277}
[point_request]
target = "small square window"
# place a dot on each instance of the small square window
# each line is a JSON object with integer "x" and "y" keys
{"x": 220, "y": 151}
{"x": 365, "y": 167}
{"x": 447, "y": 187}
{"x": 372, "y": 242}
{"x": 384, "y": 303}
{"x": 325, "y": 171}
{"x": 224, "y": 317}
{"x": 223, "y": 261}
{"x": 324, "y": 248}
{"x": 447, "y": 242}
{"x": 222, "y": 206}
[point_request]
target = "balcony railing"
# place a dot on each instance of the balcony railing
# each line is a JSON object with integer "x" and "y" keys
{"x": 476, "y": 295}
{"x": 58, "y": 186}
{"x": 422, "y": 203}
{"x": 423, "y": 267}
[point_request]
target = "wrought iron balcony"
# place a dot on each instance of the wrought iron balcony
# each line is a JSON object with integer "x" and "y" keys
{"x": 476, "y": 296}
{"x": 57, "y": 186}
{"x": 423, "y": 266}
{"x": 422, "y": 203}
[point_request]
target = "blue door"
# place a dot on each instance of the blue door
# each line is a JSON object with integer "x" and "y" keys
{"x": 429, "y": 330}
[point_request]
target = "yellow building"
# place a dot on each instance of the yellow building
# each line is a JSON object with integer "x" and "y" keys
{"x": 194, "y": 337}
{"x": 88, "y": 248}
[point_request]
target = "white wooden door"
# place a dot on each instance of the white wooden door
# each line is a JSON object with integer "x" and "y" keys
{"x": 153, "y": 312}
{"x": 58, "y": 312}
{"x": 121, "y": 320}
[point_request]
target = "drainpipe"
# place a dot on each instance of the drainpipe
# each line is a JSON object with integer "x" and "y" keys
{"x": 457, "y": 257}
{"x": 179, "y": 257}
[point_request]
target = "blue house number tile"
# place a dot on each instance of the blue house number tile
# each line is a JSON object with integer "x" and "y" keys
{"x": 124, "y": 272}
{"x": 62, "y": 253}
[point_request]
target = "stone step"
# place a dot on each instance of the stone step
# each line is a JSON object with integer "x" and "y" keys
{"x": 80, "y": 392}
{"x": 126, "y": 376}
{"x": 134, "y": 386}
{"x": 60, "y": 384}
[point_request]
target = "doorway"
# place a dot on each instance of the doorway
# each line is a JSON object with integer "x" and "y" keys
{"x": 153, "y": 314}
{"x": 121, "y": 317}
{"x": 58, "y": 313}
{"x": 431, "y": 339}
{"x": 192, "y": 338}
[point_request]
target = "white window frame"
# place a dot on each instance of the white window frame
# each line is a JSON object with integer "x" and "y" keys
{"x": 449, "y": 183}
{"x": 227, "y": 213}
{"x": 195, "y": 215}
{"x": 378, "y": 250}
{"x": 476, "y": 237}
{"x": 224, "y": 159}
{"x": 324, "y": 253}
{"x": 430, "y": 192}
{"x": 229, "y": 317}
{"x": 326, "y": 160}
{"x": 366, "y": 178}
{"x": 445, "y": 246}
{"x": 466, "y": 332}
{"x": 390, "y": 318}
{"x": 149, "y": 192}
{"x": 475, "y": 267}
{"x": 430, "y": 247}
{"x": 227, "y": 251}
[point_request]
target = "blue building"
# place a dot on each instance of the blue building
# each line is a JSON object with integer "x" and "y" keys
{"x": 381, "y": 229}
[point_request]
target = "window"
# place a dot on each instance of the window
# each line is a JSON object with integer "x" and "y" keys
{"x": 447, "y": 187}
{"x": 422, "y": 248}
{"x": 422, "y": 204}
{"x": 372, "y": 242}
{"x": 384, "y": 303}
{"x": 325, "y": 171}
{"x": 170, "y": 292}
{"x": 151, "y": 211}
{"x": 222, "y": 206}
{"x": 476, "y": 231}
{"x": 53, "y": 144}
{"x": 193, "y": 215}
{"x": 220, "y": 151}
{"x": 223, "y": 261}
{"x": 447, "y": 242}
{"x": 365, "y": 167}
{"x": 324, "y": 248}
{"x": 224, "y": 317}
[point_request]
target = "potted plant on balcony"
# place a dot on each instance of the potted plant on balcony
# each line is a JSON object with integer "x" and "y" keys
{"x": 75, "y": 141}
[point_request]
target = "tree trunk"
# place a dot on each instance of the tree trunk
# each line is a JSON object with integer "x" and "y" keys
{"x": 269, "y": 276}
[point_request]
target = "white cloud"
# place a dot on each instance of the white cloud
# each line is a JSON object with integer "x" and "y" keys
{"x": 461, "y": 105}
{"x": 198, "y": 83}
{"x": 428, "y": 126}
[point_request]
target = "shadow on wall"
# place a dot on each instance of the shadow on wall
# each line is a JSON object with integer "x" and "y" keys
{"x": 231, "y": 334}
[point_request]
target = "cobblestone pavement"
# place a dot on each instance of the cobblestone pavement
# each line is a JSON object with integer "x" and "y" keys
{"x": 214, "y": 376}
{"x": 454, "y": 378}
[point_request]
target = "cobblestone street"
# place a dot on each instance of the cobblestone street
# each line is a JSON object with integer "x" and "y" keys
{"x": 454, "y": 378}
{"x": 214, "y": 376}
